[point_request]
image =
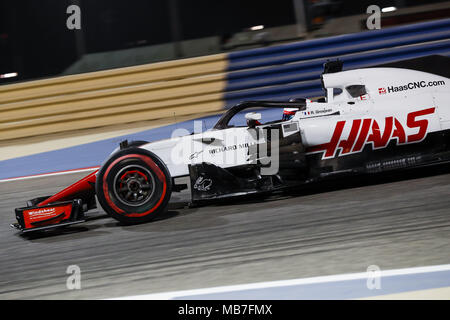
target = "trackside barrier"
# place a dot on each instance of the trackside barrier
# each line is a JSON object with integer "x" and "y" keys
{"x": 111, "y": 97}
{"x": 293, "y": 70}
{"x": 204, "y": 84}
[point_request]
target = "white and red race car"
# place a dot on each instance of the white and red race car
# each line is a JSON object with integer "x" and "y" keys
{"x": 370, "y": 120}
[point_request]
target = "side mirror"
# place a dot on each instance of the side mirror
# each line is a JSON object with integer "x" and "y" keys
{"x": 252, "y": 118}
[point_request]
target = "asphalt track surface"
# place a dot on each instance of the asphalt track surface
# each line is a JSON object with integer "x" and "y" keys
{"x": 393, "y": 221}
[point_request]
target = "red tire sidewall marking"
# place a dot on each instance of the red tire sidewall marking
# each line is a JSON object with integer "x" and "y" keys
{"x": 155, "y": 169}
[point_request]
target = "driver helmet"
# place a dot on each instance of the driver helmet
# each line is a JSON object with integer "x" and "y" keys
{"x": 288, "y": 113}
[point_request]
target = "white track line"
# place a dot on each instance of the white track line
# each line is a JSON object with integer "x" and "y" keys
{"x": 271, "y": 284}
{"x": 49, "y": 174}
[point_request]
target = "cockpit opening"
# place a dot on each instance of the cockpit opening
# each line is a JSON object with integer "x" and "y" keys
{"x": 356, "y": 90}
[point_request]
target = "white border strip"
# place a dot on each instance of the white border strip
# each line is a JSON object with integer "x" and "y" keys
{"x": 42, "y": 175}
{"x": 271, "y": 284}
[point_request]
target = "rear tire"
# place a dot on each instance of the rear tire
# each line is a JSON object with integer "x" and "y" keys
{"x": 133, "y": 186}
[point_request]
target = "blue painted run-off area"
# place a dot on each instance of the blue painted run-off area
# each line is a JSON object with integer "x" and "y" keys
{"x": 94, "y": 153}
{"x": 85, "y": 155}
{"x": 336, "y": 290}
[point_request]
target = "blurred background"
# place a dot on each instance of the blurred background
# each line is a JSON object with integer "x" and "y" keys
{"x": 139, "y": 70}
{"x": 34, "y": 42}
{"x": 168, "y": 61}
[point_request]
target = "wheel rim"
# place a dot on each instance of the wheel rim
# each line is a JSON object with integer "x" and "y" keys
{"x": 134, "y": 185}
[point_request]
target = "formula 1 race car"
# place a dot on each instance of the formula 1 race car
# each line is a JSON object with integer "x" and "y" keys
{"x": 370, "y": 120}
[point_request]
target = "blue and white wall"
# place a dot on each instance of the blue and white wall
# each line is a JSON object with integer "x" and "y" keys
{"x": 187, "y": 87}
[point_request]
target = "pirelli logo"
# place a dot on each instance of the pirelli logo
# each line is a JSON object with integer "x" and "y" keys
{"x": 411, "y": 86}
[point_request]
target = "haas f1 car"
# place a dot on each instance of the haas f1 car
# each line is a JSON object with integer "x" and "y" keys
{"x": 370, "y": 120}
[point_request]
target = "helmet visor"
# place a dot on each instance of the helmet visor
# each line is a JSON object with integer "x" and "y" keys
{"x": 288, "y": 115}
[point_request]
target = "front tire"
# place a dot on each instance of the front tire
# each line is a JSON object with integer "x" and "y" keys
{"x": 133, "y": 186}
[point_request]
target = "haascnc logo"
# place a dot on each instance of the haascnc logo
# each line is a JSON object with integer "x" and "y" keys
{"x": 411, "y": 86}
